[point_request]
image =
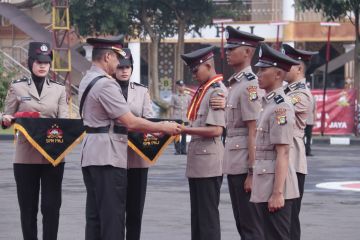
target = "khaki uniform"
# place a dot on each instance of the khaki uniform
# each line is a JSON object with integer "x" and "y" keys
{"x": 300, "y": 96}
{"x": 103, "y": 105}
{"x": 205, "y": 155}
{"x": 180, "y": 103}
{"x": 24, "y": 97}
{"x": 140, "y": 105}
{"x": 243, "y": 104}
{"x": 275, "y": 126}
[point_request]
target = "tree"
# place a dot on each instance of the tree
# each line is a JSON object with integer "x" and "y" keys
{"x": 150, "y": 17}
{"x": 335, "y": 10}
{"x": 6, "y": 75}
{"x": 190, "y": 16}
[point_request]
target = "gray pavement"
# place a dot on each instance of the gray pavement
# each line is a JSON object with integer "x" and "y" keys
{"x": 326, "y": 214}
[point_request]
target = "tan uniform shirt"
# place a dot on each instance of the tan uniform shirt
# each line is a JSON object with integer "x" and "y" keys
{"x": 103, "y": 105}
{"x": 23, "y": 97}
{"x": 180, "y": 104}
{"x": 140, "y": 105}
{"x": 243, "y": 104}
{"x": 300, "y": 96}
{"x": 312, "y": 111}
{"x": 274, "y": 126}
{"x": 205, "y": 155}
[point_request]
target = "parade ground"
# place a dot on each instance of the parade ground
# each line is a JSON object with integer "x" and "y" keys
{"x": 327, "y": 214}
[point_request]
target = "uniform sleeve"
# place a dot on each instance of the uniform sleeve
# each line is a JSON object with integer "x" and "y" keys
{"x": 216, "y": 117}
{"x": 250, "y": 102}
{"x": 282, "y": 124}
{"x": 147, "y": 110}
{"x": 11, "y": 102}
{"x": 63, "y": 106}
{"x": 112, "y": 100}
{"x": 301, "y": 102}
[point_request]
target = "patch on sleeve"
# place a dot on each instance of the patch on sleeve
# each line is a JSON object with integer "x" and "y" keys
{"x": 252, "y": 90}
{"x": 295, "y": 99}
{"x": 281, "y": 116}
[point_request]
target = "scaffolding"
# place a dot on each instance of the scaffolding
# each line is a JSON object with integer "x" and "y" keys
{"x": 61, "y": 65}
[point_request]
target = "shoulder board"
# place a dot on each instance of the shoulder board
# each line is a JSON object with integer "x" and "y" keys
{"x": 238, "y": 76}
{"x": 250, "y": 76}
{"x": 53, "y": 81}
{"x": 139, "y": 84}
{"x": 278, "y": 99}
{"x": 301, "y": 86}
{"x": 215, "y": 85}
{"x": 287, "y": 90}
{"x": 23, "y": 79}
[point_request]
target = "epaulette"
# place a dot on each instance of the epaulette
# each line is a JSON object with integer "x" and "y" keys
{"x": 287, "y": 90}
{"x": 53, "y": 81}
{"x": 250, "y": 76}
{"x": 23, "y": 79}
{"x": 139, "y": 84}
{"x": 278, "y": 99}
{"x": 296, "y": 86}
{"x": 215, "y": 85}
{"x": 238, "y": 76}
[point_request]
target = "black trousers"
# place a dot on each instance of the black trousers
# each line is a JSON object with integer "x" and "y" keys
{"x": 276, "y": 225}
{"x": 105, "y": 202}
{"x": 295, "y": 220}
{"x": 307, "y": 138}
{"x": 136, "y": 192}
{"x": 180, "y": 147}
{"x": 248, "y": 223}
{"x": 205, "y": 199}
{"x": 30, "y": 178}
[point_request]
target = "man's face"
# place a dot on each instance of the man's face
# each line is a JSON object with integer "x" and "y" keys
{"x": 267, "y": 77}
{"x": 180, "y": 88}
{"x": 201, "y": 73}
{"x": 113, "y": 62}
{"x": 236, "y": 56}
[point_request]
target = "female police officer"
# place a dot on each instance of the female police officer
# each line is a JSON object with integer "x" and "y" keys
{"x": 36, "y": 94}
{"x": 139, "y": 102}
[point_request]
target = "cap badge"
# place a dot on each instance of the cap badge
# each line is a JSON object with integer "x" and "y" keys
{"x": 227, "y": 35}
{"x": 44, "y": 48}
{"x": 260, "y": 52}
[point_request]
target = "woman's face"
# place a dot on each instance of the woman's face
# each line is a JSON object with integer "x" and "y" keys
{"x": 123, "y": 73}
{"x": 40, "y": 69}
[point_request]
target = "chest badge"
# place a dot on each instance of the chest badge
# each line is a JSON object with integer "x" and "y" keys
{"x": 252, "y": 90}
{"x": 281, "y": 116}
{"x": 295, "y": 100}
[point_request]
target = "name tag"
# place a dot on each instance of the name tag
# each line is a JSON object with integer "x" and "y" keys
{"x": 23, "y": 99}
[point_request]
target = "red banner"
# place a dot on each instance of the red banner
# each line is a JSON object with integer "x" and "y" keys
{"x": 339, "y": 111}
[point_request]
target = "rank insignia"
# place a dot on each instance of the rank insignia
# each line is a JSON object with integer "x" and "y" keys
{"x": 252, "y": 90}
{"x": 295, "y": 100}
{"x": 281, "y": 116}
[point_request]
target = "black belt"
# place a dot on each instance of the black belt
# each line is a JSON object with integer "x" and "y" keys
{"x": 117, "y": 129}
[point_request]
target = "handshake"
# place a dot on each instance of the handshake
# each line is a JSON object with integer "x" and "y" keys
{"x": 171, "y": 128}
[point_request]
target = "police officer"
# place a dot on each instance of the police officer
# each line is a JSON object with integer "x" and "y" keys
{"x": 138, "y": 98}
{"x": 179, "y": 105}
{"x": 104, "y": 149}
{"x": 32, "y": 171}
{"x": 205, "y": 153}
{"x": 301, "y": 97}
{"x": 274, "y": 181}
{"x": 242, "y": 110}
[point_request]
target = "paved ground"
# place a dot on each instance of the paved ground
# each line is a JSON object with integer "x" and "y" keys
{"x": 326, "y": 214}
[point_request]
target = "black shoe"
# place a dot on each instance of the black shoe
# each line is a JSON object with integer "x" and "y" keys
{"x": 177, "y": 153}
{"x": 184, "y": 153}
{"x": 309, "y": 155}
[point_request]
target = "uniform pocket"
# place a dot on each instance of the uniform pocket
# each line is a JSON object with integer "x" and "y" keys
{"x": 205, "y": 149}
{"x": 265, "y": 167}
{"x": 237, "y": 143}
{"x": 119, "y": 138}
